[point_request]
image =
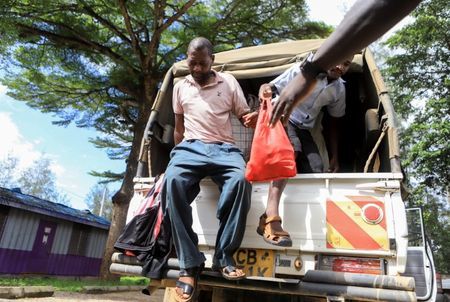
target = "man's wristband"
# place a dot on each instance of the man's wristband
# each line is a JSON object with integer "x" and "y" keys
{"x": 312, "y": 70}
{"x": 274, "y": 90}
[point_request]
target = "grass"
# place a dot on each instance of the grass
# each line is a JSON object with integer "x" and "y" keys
{"x": 71, "y": 284}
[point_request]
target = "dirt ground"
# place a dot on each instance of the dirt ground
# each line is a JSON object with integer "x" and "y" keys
{"x": 133, "y": 296}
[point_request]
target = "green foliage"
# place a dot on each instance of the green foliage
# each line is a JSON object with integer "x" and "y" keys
{"x": 37, "y": 180}
{"x": 426, "y": 142}
{"x": 436, "y": 217}
{"x": 72, "y": 285}
{"x": 8, "y": 167}
{"x": 421, "y": 67}
{"x": 419, "y": 77}
{"x": 231, "y": 24}
{"x": 98, "y": 63}
{"x": 99, "y": 201}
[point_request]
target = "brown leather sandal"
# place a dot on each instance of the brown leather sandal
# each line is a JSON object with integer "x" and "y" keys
{"x": 278, "y": 238}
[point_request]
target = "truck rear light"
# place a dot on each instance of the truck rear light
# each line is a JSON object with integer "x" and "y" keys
{"x": 439, "y": 282}
{"x": 374, "y": 266}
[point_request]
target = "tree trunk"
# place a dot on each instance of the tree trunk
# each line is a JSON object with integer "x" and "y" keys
{"x": 121, "y": 199}
{"x": 119, "y": 216}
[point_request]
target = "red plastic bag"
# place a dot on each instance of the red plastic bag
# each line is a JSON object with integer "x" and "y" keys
{"x": 272, "y": 156}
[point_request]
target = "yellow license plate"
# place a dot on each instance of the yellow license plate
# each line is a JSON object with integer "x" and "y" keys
{"x": 256, "y": 262}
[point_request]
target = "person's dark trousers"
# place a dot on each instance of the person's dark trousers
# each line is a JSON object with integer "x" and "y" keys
{"x": 190, "y": 162}
{"x": 308, "y": 156}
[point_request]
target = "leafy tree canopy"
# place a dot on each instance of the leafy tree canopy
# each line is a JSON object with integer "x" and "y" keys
{"x": 99, "y": 201}
{"x": 419, "y": 76}
{"x": 37, "y": 180}
{"x": 8, "y": 166}
{"x": 98, "y": 63}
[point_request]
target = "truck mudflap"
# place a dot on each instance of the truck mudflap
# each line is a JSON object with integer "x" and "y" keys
{"x": 315, "y": 283}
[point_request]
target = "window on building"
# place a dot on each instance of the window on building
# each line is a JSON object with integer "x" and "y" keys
{"x": 4, "y": 210}
{"x": 79, "y": 240}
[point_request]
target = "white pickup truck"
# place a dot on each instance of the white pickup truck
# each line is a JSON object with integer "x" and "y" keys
{"x": 353, "y": 238}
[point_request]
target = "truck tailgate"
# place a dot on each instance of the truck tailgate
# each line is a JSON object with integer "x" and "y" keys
{"x": 344, "y": 214}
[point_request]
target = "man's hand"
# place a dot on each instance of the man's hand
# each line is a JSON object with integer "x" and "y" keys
{"x": 294, "y": 93}
{"x": 265, "y": 91}
{"x": 249, "y": 120}
{"x": 334, "y": 165}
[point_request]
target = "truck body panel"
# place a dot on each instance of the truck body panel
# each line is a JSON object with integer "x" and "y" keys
{"x": 303, "y": 209}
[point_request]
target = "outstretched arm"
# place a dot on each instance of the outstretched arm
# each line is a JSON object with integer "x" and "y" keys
{"x": 366, "y": 21}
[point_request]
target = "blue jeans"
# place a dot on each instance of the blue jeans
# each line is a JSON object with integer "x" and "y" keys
{"x": 190, "y": 162}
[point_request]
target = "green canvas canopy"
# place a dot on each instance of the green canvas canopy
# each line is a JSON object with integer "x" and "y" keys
{"x": 257, "y": 61}
{"x": 252, "y": 62}
{"x": 256, "y": 64}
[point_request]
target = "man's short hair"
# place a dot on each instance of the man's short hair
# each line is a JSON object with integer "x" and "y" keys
{"x": 200, "y": 43}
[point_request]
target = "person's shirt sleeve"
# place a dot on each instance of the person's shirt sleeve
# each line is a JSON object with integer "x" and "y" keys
{"x": 283, "y": 79}
{"x": 176, "y": 100}
{"x": 240, "y": 106}
{"x": 337, "y": 108}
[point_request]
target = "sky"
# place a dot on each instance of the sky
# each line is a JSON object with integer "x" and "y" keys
{"x": 329, "y": 11}
{"x": 29, "y": 134}
{"x": 333, "y": 11}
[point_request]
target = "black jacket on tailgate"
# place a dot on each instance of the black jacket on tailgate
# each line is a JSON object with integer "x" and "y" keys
{"x": 148, "y": 235}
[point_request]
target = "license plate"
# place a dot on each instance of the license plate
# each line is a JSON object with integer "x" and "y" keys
{"x": 256, "y": 262}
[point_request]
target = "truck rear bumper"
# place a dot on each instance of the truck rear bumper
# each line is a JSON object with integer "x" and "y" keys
{"x": 311, "y": 289}
{"x": 326, "y": 284}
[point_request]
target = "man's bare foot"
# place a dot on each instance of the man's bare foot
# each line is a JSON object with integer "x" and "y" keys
{"x": 231, "y": 272}
{"x": 183, "y": 290}
{"x": 187, "y": 283}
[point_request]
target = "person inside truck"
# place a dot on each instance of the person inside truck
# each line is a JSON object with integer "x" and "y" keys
{"x": 366, "y": 21}
{"x": 329, "y": 93}
{"x": 203, "y": 103}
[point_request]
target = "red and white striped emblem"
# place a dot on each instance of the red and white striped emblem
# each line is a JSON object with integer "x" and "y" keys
{"x": 356, "y": 222}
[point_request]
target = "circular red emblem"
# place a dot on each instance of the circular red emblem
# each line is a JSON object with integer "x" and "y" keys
{"x": 372, "y": 213}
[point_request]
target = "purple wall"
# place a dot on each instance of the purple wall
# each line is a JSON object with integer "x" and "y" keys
{"x": 21, "y": 262}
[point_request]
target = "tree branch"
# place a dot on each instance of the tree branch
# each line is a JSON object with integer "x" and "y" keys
{"x": 160, "y": 26}
{"x": 229, "y": 12}
{"x": 105, "y": 22}
{"x": 124, "y": 113}
{"x": 76, "y": 42}
{"x": 127, "y": 90}
{"x": 134, "y": 40}
{"x": 166, "y": 55}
